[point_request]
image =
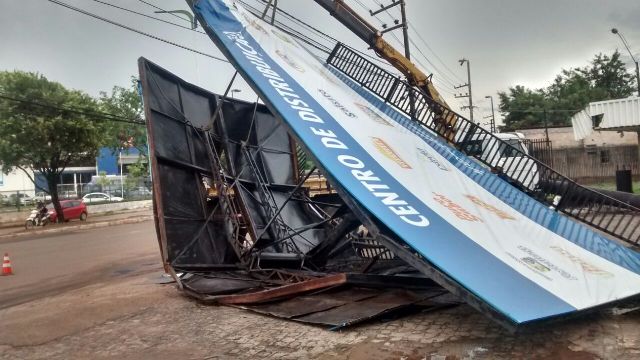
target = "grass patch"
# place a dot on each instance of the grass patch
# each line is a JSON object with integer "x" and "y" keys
{"x": 611, "y": 185}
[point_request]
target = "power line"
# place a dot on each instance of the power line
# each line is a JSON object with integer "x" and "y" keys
{"x": 164, "y": 11}
{"x": 446, "y": 80}
{"x": 444, "y": 84}
{"x": 282, "y": 27}
{"x": 148, "y": 16}
{"x": 304, "y": 24}
{"x": 86, "y": 112}
{"x": 136, "y": 30}
{"x": 295, "y": 19}
{"x": 291, "y": 31}
{"x": 434, "y": 53}
{"x": 538, "y": 110}
{"x": 412, "y": 43}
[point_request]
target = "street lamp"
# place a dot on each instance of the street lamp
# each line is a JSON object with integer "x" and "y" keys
{"x": 626, "y": 45}
{"x": 492, "y": 125}
{"x": 233, "y": 91}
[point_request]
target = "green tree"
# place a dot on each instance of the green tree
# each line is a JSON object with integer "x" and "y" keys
{"x": 608, "y": 77}
{"x": 605, "y": 78}
{"x": 103, "y": 181}
{"x": 124, "y": 103}
{"x": 44, "y": 127}
{"x": 523, "y": 108}
{"x": 137, "y": 172}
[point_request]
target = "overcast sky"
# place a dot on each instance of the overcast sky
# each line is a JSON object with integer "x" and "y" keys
{"x": 509, "y": 42}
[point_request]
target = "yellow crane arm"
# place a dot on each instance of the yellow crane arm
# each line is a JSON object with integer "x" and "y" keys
{"x": 369, "y": 34}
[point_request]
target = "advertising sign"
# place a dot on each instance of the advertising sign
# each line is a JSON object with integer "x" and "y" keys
{"x": 524, "y": 260}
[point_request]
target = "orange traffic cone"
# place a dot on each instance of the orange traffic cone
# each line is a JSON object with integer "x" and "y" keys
{"x": 6, "y": 265}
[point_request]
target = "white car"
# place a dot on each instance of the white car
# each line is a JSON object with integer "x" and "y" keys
{"x": 43, "y": 196}
{"x": 510, "y": 159}
{"x": 100, "y": 197}
{"x": 21, "y": 198}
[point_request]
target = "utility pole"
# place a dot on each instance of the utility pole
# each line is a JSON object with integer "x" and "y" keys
{"x": 626, "y": 45}
{"x": 546, "y": 125}
{"x": 397, "y": 24}
{"x": 492, "y": 124}
{"x": 405, "y": 30}
{"x": 405, "y": 34}
{"x": 468, "y": 86}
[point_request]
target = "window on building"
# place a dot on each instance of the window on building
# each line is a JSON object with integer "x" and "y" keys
{"x": 596, "y": 120}
{"x": 591, "y": 149}
{"x": 66, "y": 178}
{"x": 604, "y": 156}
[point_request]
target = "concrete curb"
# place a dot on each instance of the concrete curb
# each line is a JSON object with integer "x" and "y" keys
{"x": 134, "y": 220}
{"x": 17, "y": 218}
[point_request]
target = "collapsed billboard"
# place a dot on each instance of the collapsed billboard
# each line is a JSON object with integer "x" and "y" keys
{"x": 478, "y": 236}
{"x": 235, "y": 227}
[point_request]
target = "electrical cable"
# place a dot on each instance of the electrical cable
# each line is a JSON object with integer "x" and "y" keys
{"x": 444, "y": 87}
{"x": 444, "y": 78}
{"x": 334, "y": 40}
{"x": 60, "y": 3}
{"x": 435, "y": 54}
{"x": 280, "y": 25}
{"x": 148, "y": 16}
{"x": 85, "y": 112}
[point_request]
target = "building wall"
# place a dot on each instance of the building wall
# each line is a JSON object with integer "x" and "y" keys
{"x": 73, "y": 177}
{"x": 562, "y": 137}
{"x": 597, "y": 164}
{"x": 16, "y": 181}
{"x": 596, "y": 158}
{"x": 109, "y": 162}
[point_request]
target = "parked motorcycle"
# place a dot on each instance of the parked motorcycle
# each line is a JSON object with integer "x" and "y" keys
{"x": 34, "y": 220}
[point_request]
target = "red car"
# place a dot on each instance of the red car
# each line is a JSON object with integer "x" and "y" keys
{"x": 72, "y": 209}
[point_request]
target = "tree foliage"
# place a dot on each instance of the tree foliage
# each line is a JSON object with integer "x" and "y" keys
{"x": 126, "y": 104}
{"x": 45, "y": 127}
{"x": 605, "y": 78}
{"x": 137, "y": 172}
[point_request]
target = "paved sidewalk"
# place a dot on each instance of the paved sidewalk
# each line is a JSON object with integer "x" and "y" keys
{"x": 101, "y": 220}
{"x": 136, "y": 319}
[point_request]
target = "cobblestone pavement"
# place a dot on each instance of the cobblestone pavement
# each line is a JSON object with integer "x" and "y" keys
{"x": 136, "y": 319}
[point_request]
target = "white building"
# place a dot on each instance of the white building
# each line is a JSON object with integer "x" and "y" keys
{"x": 16, "y": 181}
{"x": 610, "y": 115}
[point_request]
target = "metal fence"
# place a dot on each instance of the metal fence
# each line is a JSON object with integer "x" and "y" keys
{"x": 540, "y": 181}
{"x": 541, "y": 150}
{"x": 17, "y": 200}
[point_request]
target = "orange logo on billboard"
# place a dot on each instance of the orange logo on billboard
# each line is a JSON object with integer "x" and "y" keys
{"x": 387, "y": 151}
{"x": 289, "y": 61}
{"x": 283, "y": 37}
{"x": 457, "y": 210}
{"x": 324, "y": 73}
{"x": 254, "y": 24}
{"x": 372, "y": 114}
{"x": 501, "y": 213}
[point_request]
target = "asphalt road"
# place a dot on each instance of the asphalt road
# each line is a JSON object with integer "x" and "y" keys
{"x": 46, "y": 265}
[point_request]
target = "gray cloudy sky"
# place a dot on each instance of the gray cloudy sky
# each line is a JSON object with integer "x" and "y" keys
{"x": 509, "y": 42}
